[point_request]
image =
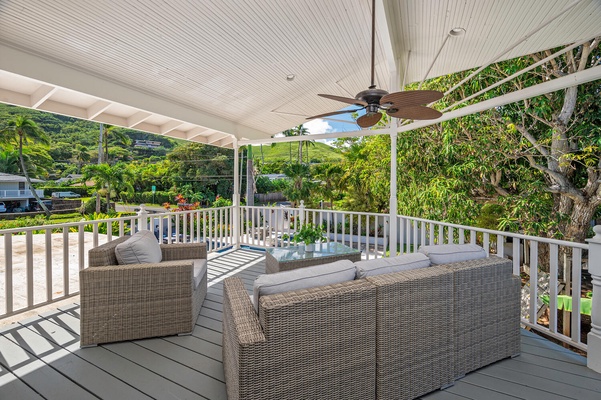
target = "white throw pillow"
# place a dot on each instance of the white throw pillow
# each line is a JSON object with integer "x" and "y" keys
{"x": 141, "y": 248}
{"x": 450, "y": 253}
{"x": 380, "y": 266}
{"x": 303, "y": 278}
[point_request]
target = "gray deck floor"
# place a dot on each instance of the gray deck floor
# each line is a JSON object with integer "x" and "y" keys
{"x": 40, "y": 358}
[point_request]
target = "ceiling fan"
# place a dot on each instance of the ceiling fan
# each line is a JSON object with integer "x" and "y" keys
{"x": 408, "y": 105}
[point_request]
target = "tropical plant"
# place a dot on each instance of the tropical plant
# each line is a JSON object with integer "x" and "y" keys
{"x": 109, "y": 178}
{"x": 308, "y": 234}
{"x": 20, "y": 131}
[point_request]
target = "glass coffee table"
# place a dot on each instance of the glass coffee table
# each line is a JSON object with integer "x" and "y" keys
{"x": 287, "y": 258}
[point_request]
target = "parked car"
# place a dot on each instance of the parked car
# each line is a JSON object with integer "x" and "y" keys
{"x": 65, "y": 194}
{"x": 2, "y": 207}
{"x": 34, "y": 206}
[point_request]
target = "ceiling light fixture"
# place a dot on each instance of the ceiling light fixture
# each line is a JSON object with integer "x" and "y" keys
{"x": 290, "y": 77}
{"x": 457, "y": 32}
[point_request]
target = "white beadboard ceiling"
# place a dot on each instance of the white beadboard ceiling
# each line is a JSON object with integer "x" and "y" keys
{"x": 214, "y": 71}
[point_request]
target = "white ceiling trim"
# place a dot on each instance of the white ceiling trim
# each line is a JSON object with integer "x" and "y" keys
{"x": 55, "y": 76}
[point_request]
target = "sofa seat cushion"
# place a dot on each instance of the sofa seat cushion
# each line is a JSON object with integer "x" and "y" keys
{"x": 303, "y": 278}
{"x": 450, "y": 253}
{"x": 200, "y": 270}
{"x": 388, "y": 265}
{"x": 141, "y": 248}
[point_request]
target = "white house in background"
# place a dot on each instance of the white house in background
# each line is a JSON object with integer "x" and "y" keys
{"x": 15, "y": 192}
{"x": 70, "y": 178}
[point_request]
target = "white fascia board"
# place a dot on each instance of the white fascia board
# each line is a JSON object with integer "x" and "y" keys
{"x": 53, "y": 73}
{"x": 578, "y": 78}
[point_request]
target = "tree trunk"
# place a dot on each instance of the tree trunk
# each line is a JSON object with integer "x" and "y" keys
{"x": 250, "y": 192}
{"x": 580, "y": 219}
{"x": 108, "y": 198}
{"x": 33, "y": 192}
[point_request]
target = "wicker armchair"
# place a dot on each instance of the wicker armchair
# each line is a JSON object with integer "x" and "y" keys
{"x": 126, "y": 302}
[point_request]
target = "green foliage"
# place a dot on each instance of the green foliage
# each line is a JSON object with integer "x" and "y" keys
{"x": 490, "y": 213}
{"x": 221, "y": 202}
{"x": 308, "y": 233}
{"x": 277, "y": 155}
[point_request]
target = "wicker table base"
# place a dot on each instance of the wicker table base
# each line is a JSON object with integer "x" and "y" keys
{"x": 289, "y": 258}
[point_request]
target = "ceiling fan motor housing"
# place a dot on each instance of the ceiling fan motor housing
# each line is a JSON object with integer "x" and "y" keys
{"x": 371, "y": 96}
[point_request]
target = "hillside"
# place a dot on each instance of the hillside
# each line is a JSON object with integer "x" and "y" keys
{"x": 281, "y": 152}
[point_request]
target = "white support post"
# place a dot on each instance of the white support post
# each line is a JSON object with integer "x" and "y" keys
{"x": 142, "y": 218}
{"x": 301, "y": 212}
{"x": 236, "y": 196}
{"x": 594, "y": 267}
{"x": 393, "y": 196}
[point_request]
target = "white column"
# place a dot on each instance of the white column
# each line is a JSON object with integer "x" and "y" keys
{"x": 594, "y": 267}
{"x": 236, "y": 197}
{"x": 393, "y": 198}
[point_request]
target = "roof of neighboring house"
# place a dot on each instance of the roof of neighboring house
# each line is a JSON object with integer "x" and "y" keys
{"x": 16, "y": 178}
{"x": 70, "y": 177}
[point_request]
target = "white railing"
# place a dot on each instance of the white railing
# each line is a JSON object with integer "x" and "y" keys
{"x": 40, "y": 265}
{"x": 555, "y": 266}
{"x": 19, "y": 194}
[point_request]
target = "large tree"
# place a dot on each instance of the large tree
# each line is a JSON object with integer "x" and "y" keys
{"x": 20, "y": 131}
{"x": 555, "y": 136}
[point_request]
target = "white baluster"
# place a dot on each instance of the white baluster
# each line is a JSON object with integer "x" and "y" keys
{"x": 594, "y": 267}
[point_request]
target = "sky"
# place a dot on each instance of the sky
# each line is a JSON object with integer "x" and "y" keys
{"x": 333, "y": 124}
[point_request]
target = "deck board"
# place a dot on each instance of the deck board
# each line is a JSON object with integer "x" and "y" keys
{"x": 40, "y": 358}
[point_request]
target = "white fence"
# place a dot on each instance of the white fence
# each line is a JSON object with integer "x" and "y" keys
{"x": 40, "y": 265}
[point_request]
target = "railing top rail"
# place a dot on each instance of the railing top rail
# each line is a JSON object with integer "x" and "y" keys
{"x": 501, "y": 233}
{"x": 100, "y": 221}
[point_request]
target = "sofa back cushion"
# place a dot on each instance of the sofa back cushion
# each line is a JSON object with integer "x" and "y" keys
{"x": 303, "y": 278}
{"x": 450, "y": 253}
{"x": 391, "y": 264}
{"x": 142, "y": 247}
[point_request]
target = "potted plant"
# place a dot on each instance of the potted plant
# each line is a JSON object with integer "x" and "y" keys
{"x": 309, "y": 234}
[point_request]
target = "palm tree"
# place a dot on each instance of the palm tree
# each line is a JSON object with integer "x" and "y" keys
{"x": 9, "y": 161}
{"x": 109, "y": 178}
{"x": 82, "y": 156}
{"x": 300, "y": 130}
{"x": 287, "y": 133}
{"x": 22, "y": 130}
{"x": 108, "y": 131}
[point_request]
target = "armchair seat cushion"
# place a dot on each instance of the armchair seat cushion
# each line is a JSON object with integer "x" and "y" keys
{"x": 200, "y": 270}
{"x": 141, "y": 248}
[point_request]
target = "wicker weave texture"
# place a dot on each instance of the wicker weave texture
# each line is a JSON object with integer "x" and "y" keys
{"x": 486, "y": 312}
{"x": 414, "y": 326}
{"x": 125, "y": 302}
{"x": 272, "y": 265}
{"x": 308, "y": 344}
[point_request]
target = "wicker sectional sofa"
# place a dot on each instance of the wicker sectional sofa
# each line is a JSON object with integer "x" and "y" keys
{"x": 134, "y": 301}
{"x": 391, "y": 336}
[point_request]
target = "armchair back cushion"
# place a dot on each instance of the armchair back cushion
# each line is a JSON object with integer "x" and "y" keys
{"x": 303, "y": 278}
{"x": 141, "y": 248}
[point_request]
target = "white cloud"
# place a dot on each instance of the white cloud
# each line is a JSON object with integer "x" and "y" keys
{"x": 317, "y": 126}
